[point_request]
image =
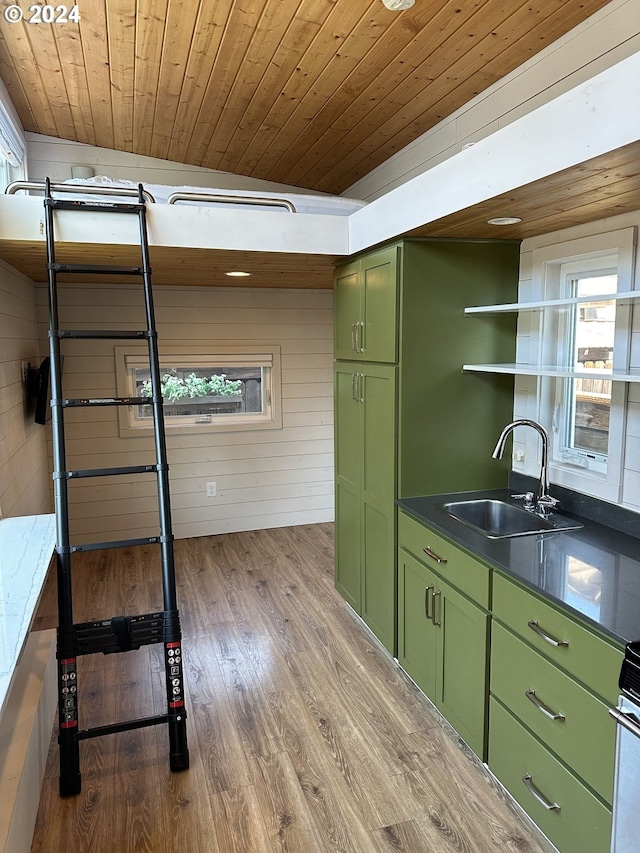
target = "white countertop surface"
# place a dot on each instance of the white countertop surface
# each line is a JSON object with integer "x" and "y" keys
{"x": 26, "y": 546}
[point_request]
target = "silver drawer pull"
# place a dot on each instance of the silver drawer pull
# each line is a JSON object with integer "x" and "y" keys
{"x": 433, "y": 555}
{"x": 427, "y": 590}
{"x": 531, "y": 696}
{"x": 550, "y": 807}
{"x": 547, "y": 637}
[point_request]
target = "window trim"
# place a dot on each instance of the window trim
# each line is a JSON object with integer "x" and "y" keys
{"x": 262, "y": 354}
{"x": 596, "y": 462}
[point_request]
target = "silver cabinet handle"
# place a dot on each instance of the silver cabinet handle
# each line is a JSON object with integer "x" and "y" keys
{"x": 354, "y": 334}
{"x": 361, "y": 387}
{"x": 433, "y": 555}
{"x": 354, "y": 387}
{"x": 550, "y": 807}
{"x": 427, "y": 590}
{"x": 437, "y": 623}
{"x": 360, "y": 336}
{"x": 532, "y": 623}
{"x": 627, "y": 719}
{"x": 531, "y": 696}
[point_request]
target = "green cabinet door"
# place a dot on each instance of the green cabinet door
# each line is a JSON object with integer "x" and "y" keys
{"x": 378, "y": 337}
{"x": 463, "y": 644}
{"x": 443, "y": 646}
{"x": 366, "y": 308}
{"x": 348, "y": 477}
{"x": 347, "y": 310}
{"x": 378, "y": 437}
{"x": 365, "y": 453}
{"x": 416, "y": 632}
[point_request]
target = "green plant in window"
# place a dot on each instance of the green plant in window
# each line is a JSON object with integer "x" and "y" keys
{"x": 174, "y": 388}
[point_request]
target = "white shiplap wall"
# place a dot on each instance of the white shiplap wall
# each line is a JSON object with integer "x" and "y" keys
{"x": 525, "y": 403}
{"x": 24, "y": 467}
{"x": 266, "y": 478}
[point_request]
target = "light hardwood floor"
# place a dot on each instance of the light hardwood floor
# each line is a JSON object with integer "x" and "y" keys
{"x": 304, "y": 735}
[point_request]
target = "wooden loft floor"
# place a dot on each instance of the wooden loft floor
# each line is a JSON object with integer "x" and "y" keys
{"x": 304, "y": 735}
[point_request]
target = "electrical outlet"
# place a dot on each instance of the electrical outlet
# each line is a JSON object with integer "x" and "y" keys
{"x": 211, "y": 490}
{"x": 519, "y": 456}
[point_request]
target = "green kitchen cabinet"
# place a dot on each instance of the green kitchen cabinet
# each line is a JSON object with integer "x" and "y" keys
{"x": 366, "y": 307}
{"x": 365, "y": 396}
{"x": 569, "y": 814}
{"x": 401, "y": 308}
{"x": 443, "y": 646}
{"x": 553, "y": 680}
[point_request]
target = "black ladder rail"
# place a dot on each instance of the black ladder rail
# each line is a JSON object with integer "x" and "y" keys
{"x": 121, "y": 633}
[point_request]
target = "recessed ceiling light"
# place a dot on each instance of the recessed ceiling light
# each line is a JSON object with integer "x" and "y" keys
{"x": 237, "y": 274}
{"x": 504, "y": 220}
{"x": 398, "y": 5}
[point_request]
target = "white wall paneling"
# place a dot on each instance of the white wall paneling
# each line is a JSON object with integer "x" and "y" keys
{"x": 24, "y": 468}
{"x": 265, "y": 478}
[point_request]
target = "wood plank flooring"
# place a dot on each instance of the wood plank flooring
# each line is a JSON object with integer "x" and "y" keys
{"x": 304, "y": 735}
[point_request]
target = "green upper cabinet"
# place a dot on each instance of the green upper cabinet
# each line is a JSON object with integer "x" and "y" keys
{"x": 366, "y": 299}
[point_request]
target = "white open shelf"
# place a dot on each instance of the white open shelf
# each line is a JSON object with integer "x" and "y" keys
{"x": 631, "y": 375}
{"x": 512, "y": 307}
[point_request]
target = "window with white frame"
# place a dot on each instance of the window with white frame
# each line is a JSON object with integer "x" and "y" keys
{"x": 235, "y": 388}
{"x": 590, "y": 335}
{"x": 583, "y": 404}
{"x": 12, "y": 144}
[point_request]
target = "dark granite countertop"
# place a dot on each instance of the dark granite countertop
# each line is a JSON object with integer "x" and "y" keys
{"x": 593, "y": 572}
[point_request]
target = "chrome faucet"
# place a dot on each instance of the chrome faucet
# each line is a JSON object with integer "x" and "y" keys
{"x": 544, "y": 501}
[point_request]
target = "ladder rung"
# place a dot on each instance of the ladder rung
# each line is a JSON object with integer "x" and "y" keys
{"x": 123, "y": 543}
{"x": 126, "y": 726}
{"x": 108, "y": 472}
{"x": 104, "y": 401}
{"x": 101, "y": 206}
{"x": 96, "y": 268}
{"x": 97, "y": 334}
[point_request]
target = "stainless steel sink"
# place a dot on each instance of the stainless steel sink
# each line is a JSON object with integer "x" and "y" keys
{"x": 501, "y": 520}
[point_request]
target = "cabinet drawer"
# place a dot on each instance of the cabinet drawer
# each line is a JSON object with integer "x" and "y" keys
{"x": 584, "y": 739}
{"x": 456, "y": 567}
{"x": 588, "y": 657}
{"x": 582, "y": 822}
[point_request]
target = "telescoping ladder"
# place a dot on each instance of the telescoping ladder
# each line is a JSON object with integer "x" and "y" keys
{"x": 120, "y": 633}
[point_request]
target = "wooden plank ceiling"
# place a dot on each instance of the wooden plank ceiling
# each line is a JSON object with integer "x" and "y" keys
{"x": 314, "y": 93}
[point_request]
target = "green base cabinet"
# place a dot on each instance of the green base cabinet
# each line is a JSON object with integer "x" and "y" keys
{"x": 443, "y": 646}
{"x": 551, "y": 739}
{"x": 562, "y": 713}
{"x": 570, "y": 815}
